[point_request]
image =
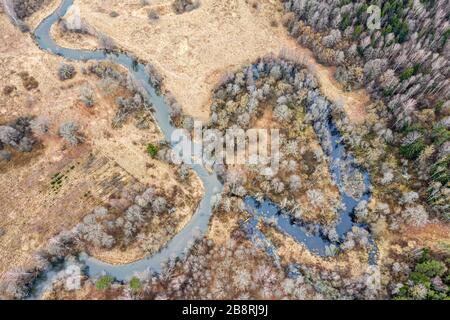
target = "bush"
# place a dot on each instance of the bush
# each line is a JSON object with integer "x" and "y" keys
{"x": 155, "y": 78}
{"x": 282, "y": 113}
{"x": 25, "y": 8}
{"x": 357, "y": 32}
{"x": 5, "y": 155}
{"x": 159, "y": 205}
{"x": 409, "y": 72}
{"x": 414, "y": 149}
{"x": 152, "y": 150}
{"x": 10, "y": 136}
{"x": 104, "y": 282}
{"x": 431, "y": 268}
{"x": 17, "y": 135}
{"x": 183, "y": 172}
{"x": 294, "y": 183}
{"x": 415, "y": 216}
{"x": 440, "y": 135}
{"x": 87, "y": 96}
{"x": 29, "y": 82}
{"x": 7, "y": 90}
{"x": 153, "y": 15}
{"x": 26, "y": 145}
{"x": 429, "y": 280}
{"x": 66, "y": 72}
{"x": 69, "y": 132}
{"x": 181, "y": 6}
{"x": 135, "y": 283}
{"x": 39, "y": 125}
{"x": 106, "y": 42}
{"x": 440, "y": 171}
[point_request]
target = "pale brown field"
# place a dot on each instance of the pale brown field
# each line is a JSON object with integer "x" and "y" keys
{"x": 109, "y": 160}
{"x": 194, "y": 50}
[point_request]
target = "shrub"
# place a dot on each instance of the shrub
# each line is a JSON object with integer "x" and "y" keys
{"x": 25, "y": 8}
{"x": 429, "y": 280}
{"x": 282, "y": 113}
{"x": 106, "y": 42}
{"x": 181, "y": 6}
{"x": 69, "y": 132}
{"x": 144, "y": 199}
{"x": 153, "y": 15}
{"x": 294, "y": 183}
{"x": 26, "y": 145}
{"x": 10, "y": 136}
{"x": 155, "y": 78}
{"x": 440, "y": 171}
{"x": 409, "y": 72}
{"x": 431, "y": 268}
{"x": 413, "y": 150}
{"x": 87, "y": 96}
{"x": 7, "y": 90}
{"x": 440, "y": 135}
{"x": 412, "y": 145}
{"x": 104, "y": 282}
{"x": 66, "y": 72}
{"x": 415, "y": 216}
{"x": 357, "y": 32}
{"x": 183, "y": 172}
{"x": 159, "y": 205}
{"x": 39, "y": 125}
{"x": 29, "y": 82}
{"x": 5, "y": 155}
{"x": 152, "y": 150}
{"x": 135, "y": 283}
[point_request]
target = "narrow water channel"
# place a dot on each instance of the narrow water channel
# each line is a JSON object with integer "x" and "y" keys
{"x": 198, "y": 225}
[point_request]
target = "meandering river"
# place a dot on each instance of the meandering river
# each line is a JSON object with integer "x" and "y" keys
{"x": 198, "y": 225}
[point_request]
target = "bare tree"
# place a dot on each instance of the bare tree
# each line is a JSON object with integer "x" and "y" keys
{"x": 66, "y": 71}
{"x": 69, "y": 132}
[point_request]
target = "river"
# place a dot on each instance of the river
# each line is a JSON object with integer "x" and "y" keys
{"x": 198, "y": 225}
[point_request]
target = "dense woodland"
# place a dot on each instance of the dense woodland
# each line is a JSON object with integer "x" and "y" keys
{"x": 286, "y": 96}
{"x": 299, "y": 106}
{"x": 404, "y": 66}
